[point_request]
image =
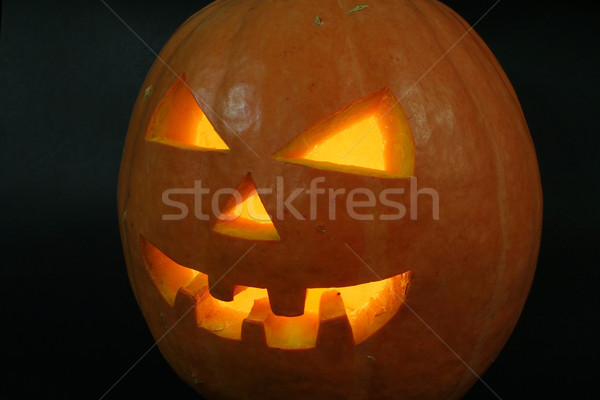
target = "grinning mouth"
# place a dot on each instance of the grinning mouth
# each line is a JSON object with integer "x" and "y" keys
{"x": 351, "y": 313}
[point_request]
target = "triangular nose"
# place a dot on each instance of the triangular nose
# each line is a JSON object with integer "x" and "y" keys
{"x": 245, "y": 216}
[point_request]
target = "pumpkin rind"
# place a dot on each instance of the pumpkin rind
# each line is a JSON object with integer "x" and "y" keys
{"x": 263, "y": 72}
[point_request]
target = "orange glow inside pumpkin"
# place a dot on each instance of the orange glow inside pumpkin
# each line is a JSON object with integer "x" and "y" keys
{"x": 369, "y": 137}
{"x": 341, "y": 147}
{"x": 247, "y": 219}
{"x": 179, "y": 121}
{"x": 367, "y": 306}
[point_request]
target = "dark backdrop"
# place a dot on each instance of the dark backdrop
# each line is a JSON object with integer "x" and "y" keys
{"x": 69, "y": 76}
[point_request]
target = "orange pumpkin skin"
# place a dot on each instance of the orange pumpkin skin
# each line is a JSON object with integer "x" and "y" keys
{"x": 267, "y": 71}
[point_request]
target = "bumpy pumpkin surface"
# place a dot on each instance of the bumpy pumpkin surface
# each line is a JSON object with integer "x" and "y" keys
{"x": 442, "y": 287}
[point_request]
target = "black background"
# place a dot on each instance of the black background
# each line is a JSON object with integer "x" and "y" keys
{"x": 69, "y": 76}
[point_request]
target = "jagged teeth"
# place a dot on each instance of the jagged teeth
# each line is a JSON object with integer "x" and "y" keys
{"x": 327, "y": 328}
{"x": 253, "y": 327}
{"x": 335, "y": 332}
{"x": 185, "y": 304}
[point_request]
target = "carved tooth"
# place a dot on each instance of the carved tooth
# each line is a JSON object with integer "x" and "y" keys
{"x": 335, "y": 333}
{"x": 287, "y": 302}
{"x": 253, "y": 328}
{"x": 185, "y": 305}
{"x": 205, "y": 303}
{"x": 197, "y": 284}
{"x": 221, "y": 289}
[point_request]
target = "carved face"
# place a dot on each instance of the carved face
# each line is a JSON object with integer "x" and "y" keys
{"x": 308, "y": 219}
{"x": 370, "y": 137}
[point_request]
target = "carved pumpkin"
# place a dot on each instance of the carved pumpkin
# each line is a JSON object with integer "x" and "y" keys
{"x": 329, "y": 207}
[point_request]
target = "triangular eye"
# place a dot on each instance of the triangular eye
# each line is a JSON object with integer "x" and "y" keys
{"x": 369, "y": 137}
{"x": 178, "y": 121}
{"x": 245, "y": 215}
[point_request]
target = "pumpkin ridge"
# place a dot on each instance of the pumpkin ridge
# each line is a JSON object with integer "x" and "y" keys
{"x": 475, "y": 351}
{"x": 357, "y": 68}
{"x": 472, "y": 39}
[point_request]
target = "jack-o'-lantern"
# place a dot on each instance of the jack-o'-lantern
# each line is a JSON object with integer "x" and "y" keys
{"x": 325, "y": 201}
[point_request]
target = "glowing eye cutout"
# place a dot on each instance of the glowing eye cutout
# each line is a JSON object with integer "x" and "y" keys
{"x": 178, "y": 121}
{"x": 246, "y": 217}
{"x": 369, "y": 137}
